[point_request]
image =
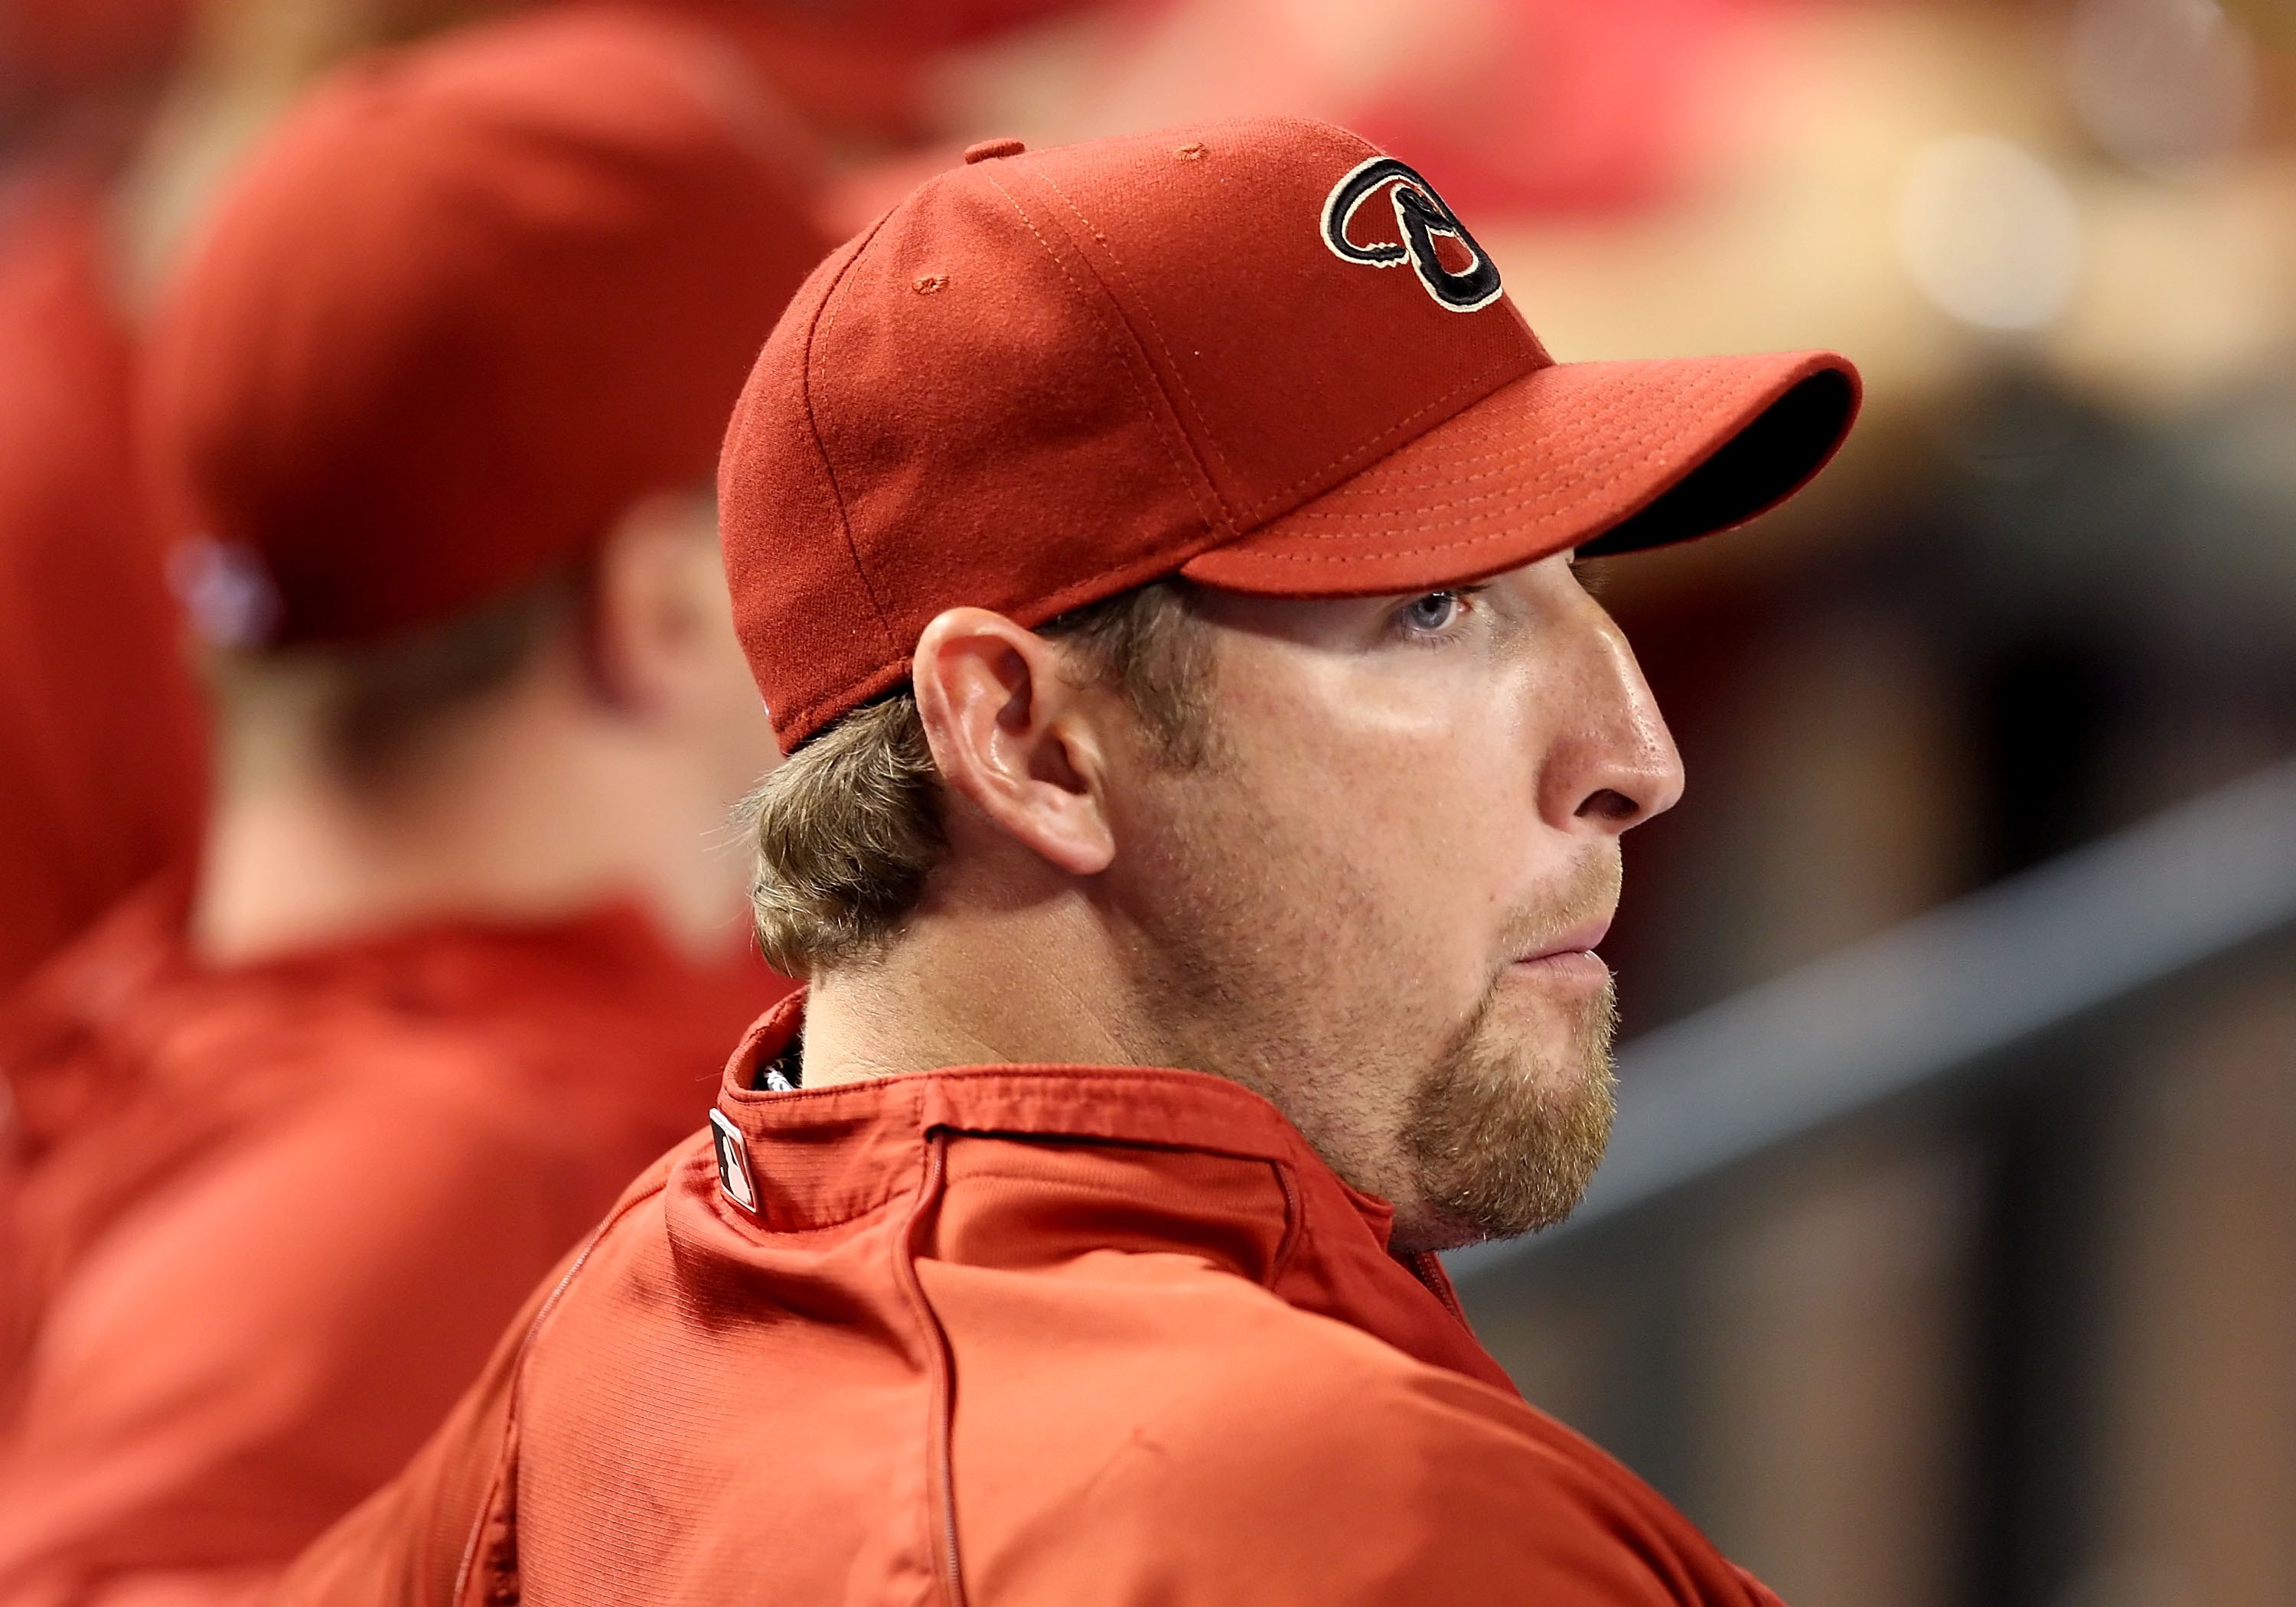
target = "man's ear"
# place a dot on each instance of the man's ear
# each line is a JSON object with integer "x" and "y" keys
{"x": 650, "y": 608}
{"x": 1014, "y": 736}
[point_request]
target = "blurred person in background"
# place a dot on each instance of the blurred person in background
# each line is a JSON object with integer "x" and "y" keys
{"x": 435, "y": 403}
{"x": 862, "y": 72}
{"x": 101, "y": 734}
{"x": 67, "y": 65}
{"x": 1169, "y": 612}
{"x": 119, "y": 120}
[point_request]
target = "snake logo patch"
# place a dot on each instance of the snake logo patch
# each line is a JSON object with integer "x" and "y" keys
{"x": 1421, "y": 218}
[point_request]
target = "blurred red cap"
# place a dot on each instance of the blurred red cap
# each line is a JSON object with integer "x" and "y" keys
{"x": 1259, "y": 353}
{"x": 63, "y": 48}
{"x": 891, "y": 24}
{"x": 470, "y": 301}
{"x": 102, "y": 739}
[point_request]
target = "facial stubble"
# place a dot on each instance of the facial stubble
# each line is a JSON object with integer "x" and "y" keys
{"x": 1500, "y": 1132}
{"x": 1504, "y": 1142}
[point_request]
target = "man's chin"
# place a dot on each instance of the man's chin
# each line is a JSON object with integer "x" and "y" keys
{"x": 1429, "y": 1230}
{"x": 1505, "y": 1132}
{"x": 1545, "y": 1057}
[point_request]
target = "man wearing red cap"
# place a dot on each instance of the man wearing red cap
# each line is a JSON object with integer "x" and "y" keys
{"x": 434, "y": 405}
{"x": 93, "y": 666}
{"x": 1158, "y": 557}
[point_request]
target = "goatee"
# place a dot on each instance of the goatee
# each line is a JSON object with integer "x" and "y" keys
{"x": 1504, "y": 1142}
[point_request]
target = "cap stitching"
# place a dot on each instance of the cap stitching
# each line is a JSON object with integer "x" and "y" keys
{"x": 1530, "y": 522}
{"x": 819, "y": 326}
{"x": 1609, "y": 483}
{"x": 1195, "y": 409}
{"x": 1552, "y": 516}
{"x": 1550, "y": 470}
{"x": 1646, "y": 442}
{"x": 1422, "y": 551}
{"x": 805, "y": 714}
{"x": 1405, "y": 422}
{"x": 1549, "y": 517}
{"x": 1197, "y": 481}
{"x": 1647, "y": 438}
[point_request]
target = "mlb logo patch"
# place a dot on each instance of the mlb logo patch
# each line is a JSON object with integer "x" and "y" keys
{"x": 734, "y": 1163}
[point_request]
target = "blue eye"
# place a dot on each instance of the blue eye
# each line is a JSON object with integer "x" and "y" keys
{"x": 1435, "y": 613}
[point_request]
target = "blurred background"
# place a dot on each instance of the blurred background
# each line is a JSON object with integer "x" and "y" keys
{"x": 1949, "y": 1250}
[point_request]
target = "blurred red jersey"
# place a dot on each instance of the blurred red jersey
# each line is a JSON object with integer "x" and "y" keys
{"x": 260, "y": 1226}
{"x": 102, "y": 739}
{"x": 1033, "y": 1335}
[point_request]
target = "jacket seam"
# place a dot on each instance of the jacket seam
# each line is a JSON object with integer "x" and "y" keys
{"x": 940, "y": 1471}
{"x": 548, "y": 1308}
{"x": 1295, "y": 1222}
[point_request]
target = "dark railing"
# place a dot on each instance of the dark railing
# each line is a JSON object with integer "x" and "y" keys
{"x": 1941, "y": 998}
{"x": 1999, "y": 1019}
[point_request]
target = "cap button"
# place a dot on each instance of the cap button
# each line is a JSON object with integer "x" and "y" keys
{"x": 989, "y": 150}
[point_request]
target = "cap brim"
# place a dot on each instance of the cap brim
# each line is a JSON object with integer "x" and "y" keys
{"x": 1604, "y": 458}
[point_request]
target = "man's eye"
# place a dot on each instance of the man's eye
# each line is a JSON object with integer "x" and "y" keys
{"x": 1435, "y": 613}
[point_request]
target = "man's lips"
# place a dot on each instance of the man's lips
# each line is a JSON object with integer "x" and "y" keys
{"x": 1582, "y": 939}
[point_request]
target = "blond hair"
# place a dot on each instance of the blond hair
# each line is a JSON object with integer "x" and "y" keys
{"x": 848, "y": 830}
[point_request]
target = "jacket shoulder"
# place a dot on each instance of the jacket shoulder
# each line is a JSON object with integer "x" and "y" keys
{"x": 1191, "y": 1434}
{"x": 452, "y": 1511}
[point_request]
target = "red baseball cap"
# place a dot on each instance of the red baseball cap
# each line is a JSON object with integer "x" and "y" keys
{"x": 470, "y": 301}
{"x": 57, "y": 50}
{"x": 1260, "y": 354}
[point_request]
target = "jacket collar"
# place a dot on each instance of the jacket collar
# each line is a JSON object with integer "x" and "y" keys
{"x": 819, "y": 1156}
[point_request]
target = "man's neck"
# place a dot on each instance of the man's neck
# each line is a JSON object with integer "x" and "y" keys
{"x": 1033, "y": 987}
{"x": 511, "y": 818}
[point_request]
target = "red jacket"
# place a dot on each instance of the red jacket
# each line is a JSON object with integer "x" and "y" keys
{"x": 261, "y": 1225}
{"x": 102, "y": 728}
{"x": 1018, "y": 1334}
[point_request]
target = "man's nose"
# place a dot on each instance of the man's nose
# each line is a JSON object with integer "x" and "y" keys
{"x": 1614, "y": 763}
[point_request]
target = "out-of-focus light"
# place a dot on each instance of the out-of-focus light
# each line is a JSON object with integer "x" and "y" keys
{"x": 2272, "y": 21}
{"x": 1989, "y": 232}
{"x": 2166, "y": 85}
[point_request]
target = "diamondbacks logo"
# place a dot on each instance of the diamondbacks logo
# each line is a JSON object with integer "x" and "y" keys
{"x": 1421, "y": 220}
